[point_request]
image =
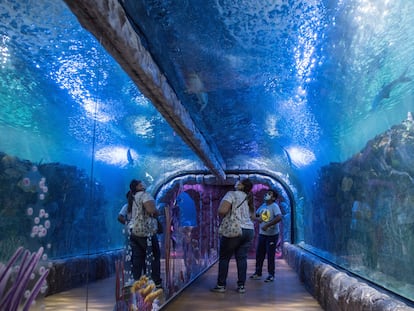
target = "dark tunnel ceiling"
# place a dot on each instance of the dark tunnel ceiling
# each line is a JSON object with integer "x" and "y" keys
{"x": 238, "y": 80}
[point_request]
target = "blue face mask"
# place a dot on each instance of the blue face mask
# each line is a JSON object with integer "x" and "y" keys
{"x": 267, "y": 196}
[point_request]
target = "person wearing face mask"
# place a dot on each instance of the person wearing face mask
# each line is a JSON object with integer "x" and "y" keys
{"x": 268, "y": 215}
{"x": 239, "y": 246}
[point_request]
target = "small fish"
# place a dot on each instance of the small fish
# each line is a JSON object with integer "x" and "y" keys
{"x": 202, "y": 100}
{"x": 149, "y": 177}
{"x": 289, "y": 159}
{"x": 387, "y": 88}
{"x": 287, "y": 155}
{"x": 129, "y": 157}
{"x": 196, "y": 86}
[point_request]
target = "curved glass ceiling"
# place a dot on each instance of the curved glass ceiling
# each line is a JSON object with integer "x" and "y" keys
{"x": 299, "y": 77}
{"x": 57, "y": 81}
{"x": 269, "y": 85}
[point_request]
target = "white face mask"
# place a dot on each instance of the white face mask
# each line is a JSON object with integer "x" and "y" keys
{"x": 267, "y": 196}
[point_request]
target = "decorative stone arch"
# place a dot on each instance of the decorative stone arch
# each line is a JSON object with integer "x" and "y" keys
{"x": 164, "y": 190}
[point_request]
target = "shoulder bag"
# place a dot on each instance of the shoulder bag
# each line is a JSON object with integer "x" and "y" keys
{"x": 144, "y": 225}
{"x": 230, "y": 226}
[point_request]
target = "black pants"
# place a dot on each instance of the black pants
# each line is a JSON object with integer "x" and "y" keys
{"x": 139, "y": 247}
{"x": 239, "y": 247}
{"x": 266, "y": 245}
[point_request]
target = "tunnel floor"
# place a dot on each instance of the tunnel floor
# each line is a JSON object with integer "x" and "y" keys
{"x": 284, "y": 294}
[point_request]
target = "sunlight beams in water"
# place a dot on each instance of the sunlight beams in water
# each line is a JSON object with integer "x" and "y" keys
{"x": 4, "y": 51}
{"x": 300, "y": 156}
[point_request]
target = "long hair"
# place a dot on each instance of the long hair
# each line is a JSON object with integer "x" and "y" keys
{"x": 248, "y": 186}
{"x": 131, "y": 193}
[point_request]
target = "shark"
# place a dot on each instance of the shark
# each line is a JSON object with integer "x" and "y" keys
{"x": 129, "y": 157}
{"x": 386, "y": 89}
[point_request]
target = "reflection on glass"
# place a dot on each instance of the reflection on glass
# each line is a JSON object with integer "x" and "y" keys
{"x": 362, "y": 216}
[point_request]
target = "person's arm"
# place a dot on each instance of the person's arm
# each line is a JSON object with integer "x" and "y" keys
{"x": 226, "y": 204}
{"x": 148, "y": 203}
{"x": 150, "y": 208}
{"x": 224, "y": 207}
{"x": 252, "y": 209}
{"x": 122, "y": 216}
{"x": 257, "y": 215}
{"x": 273, "y": 222}
{"x": 121, "y": 219}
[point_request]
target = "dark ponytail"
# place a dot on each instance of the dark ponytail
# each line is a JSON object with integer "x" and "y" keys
{"x": 131, "y": 193}
{"x": 247, "y": 188}
{"x": 247, "y": 185}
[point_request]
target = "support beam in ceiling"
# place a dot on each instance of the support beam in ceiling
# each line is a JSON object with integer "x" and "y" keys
{"x": 107, "y": 21}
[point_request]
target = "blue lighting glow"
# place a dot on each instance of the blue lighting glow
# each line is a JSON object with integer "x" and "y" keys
{"x": 116, "y": 155}
{"x": 300, "y": 156}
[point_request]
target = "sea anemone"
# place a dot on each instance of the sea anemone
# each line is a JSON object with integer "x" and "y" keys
{"x": 14, "y": 283}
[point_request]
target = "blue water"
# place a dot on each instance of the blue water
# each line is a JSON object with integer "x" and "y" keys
{"x": 298, "y": 90}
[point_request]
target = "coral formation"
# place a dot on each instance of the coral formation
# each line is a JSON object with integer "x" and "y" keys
{"x": 143, "y": 295}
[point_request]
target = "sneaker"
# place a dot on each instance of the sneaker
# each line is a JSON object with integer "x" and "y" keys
{"x": 269, "y": 279}
{"x": 219, "y": 289}
{"x": 255, "y": 276}
{"x": 241, "y": 289}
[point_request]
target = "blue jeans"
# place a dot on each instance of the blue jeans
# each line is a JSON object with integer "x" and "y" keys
{"x": 139, "y": 247}
{"x": 239, "y": 247}
{"x": 266, "y": 245}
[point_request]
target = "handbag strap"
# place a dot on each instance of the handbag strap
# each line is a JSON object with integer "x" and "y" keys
{"x": 245, "y": 198}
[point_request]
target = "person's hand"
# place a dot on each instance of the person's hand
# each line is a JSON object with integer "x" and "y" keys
{"x": 258, "y": 218}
